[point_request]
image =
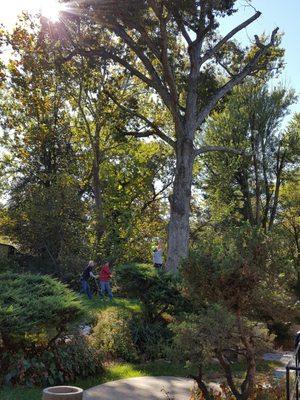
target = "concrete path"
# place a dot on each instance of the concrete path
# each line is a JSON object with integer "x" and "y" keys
{"x": 142, "y": 388}
{"x": 282, "y": 358}
{"x": 164, "y": 387}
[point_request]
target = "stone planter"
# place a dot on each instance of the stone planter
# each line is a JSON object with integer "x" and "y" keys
{"x": 62, "y": 393}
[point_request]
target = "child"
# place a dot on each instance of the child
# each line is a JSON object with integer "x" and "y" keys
{"x": 105, "y": 276}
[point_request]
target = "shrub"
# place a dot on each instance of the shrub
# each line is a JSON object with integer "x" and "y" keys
{"x": 161, "y": 299}
{"x": 8, "y": 264}
{"x": 112, "y": 335}
{"x": 67, "y": 360}
{"x": 235, "y": 281}
{"x": 126, "y": 335}
{"x": 152, "y": 340}
{"x": 36, "y": 314}
{"x": 157, "y": 290}
{"x": 276, "y": 391}
{"x": 34, "y": 310}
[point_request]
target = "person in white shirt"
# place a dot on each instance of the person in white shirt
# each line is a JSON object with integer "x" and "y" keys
{"x": 158, "y": 256}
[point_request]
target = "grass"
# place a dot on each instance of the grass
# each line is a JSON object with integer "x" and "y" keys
{"x": 96, "y": 304}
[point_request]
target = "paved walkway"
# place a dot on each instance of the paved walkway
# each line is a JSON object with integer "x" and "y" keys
{"x": 282, "y": 358}
{"x": 163, "y": 387}
{"x": 142, "y": 388}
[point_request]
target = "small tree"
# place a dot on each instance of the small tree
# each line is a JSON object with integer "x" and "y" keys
{"x": 288, "y": 223}
{"x": 236, "y": 283}
{"x": 44, "y": 211}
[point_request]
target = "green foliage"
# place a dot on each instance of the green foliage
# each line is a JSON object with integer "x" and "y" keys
{"x": 139, "y": 334}
{"x": 80, "y": 186}
{"x": 44, "y": 212}
{"x": 68, "y": 360}
{"x": 158, "y": 291}
{"x": 152, "y": 339}
{"x": 213, "y": 331}
{"x": 133, "y": 215}
{"x": 46, "y": 222}
{"x": 240, "y": 268}
{"x": 246, "y": 186}
{"x": 161, "y": 299}
{"x": 112, "y": 335}
{"x": 37, "y": 313}
{"x": 8, "y": 264}
{"x": 232, "y": 278}
{"x": 121, "y": 333}
{"x": 34, "y": 309}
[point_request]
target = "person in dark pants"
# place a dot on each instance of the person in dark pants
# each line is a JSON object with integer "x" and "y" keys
{"x": 104, "y": 277}
{"x": 85, "y": 276}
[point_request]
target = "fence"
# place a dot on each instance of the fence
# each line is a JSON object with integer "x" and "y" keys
{"x": 293, "y": 373}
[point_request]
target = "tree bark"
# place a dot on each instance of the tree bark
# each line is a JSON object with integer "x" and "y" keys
{"x": 178, "y": 231}
{"x": 201, "y": 385}
{"x": 248, "y": 384}
{"x": 255, "y": 152}
{"x": 279, "y": 168}
{"x": 100, "y": 227}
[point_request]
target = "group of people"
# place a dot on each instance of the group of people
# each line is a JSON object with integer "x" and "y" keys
{"x": 104, "y": 276}
{"x": 102, "y": 280}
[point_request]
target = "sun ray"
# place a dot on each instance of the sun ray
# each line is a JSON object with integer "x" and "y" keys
{"x": 51, "y": 9}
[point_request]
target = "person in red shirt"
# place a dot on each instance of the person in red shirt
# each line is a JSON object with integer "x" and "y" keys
{"x": 104, "y": 277}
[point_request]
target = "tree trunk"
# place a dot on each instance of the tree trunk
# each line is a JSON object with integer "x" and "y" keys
{"x": 100, "y": 228}
{"x": 279, "y": 168}
{"x": 178, "y": 232}
{"x": 201, "y": 385}
{"x": 248, "y": 385}
{"x": 257, "y": 180}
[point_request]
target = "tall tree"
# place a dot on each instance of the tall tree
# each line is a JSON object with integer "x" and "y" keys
{"x": 173, "y": 48}
{"x": 247, "y": 188}
{"x": 45, "y": 212}
{"x": 106, "y": 118}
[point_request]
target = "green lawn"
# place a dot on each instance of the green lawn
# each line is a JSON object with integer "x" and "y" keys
{"x": 97, "y": 304}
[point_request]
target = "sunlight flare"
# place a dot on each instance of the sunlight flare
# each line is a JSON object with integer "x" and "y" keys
{"x": 50, "y": 9}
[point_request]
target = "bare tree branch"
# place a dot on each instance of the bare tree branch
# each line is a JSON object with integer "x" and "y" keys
{"x": 209, "y": 149}
{"x": 120, "y": 31}
{"x": 156, "y": 195}
{"x": 229, "y": 35}
{"x": 155, "y": 129}
{"x": 165, "y": 62}
{"x": 236, "y": 79}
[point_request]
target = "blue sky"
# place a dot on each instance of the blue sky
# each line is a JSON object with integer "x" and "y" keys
{"x": 282, "y": 13}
